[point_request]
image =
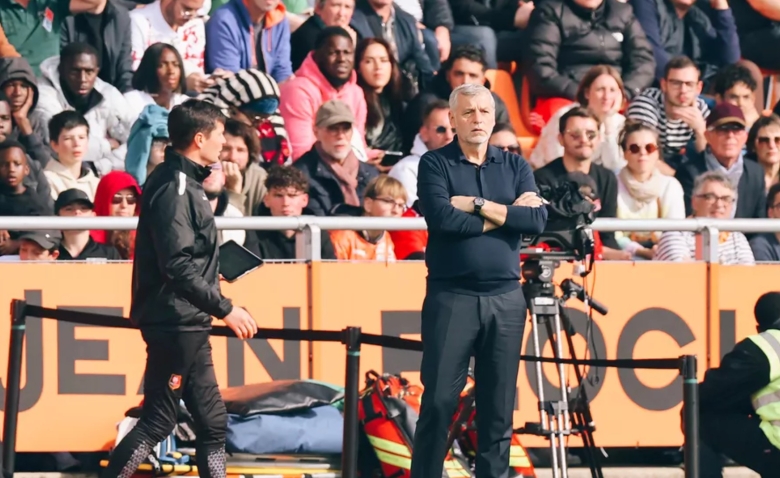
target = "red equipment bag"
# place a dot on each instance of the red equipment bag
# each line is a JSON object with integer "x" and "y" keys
{"x": 464, "y": 432}
{"x": 388, "y": 409}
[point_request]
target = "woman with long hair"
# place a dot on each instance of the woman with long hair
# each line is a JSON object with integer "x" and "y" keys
{"x": 117, "y": 194}
{"x": 644, "y": 192}
{"x": 763, "y": 145}
{"x": 601, "y": 91}
{"x": 379, "y": 76}
{"x": 159, "y": 79}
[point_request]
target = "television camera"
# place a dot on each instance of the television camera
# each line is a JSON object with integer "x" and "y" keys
{"x": 565, "y": 238}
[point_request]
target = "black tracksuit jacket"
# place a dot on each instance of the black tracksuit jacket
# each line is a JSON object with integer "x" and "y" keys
{"x": 176, "y": 266}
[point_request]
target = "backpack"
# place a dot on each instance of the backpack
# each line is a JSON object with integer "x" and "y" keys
{"x": 388, "y": 409}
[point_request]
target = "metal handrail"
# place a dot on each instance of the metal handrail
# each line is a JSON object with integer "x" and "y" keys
{"x": 29, "y": 223}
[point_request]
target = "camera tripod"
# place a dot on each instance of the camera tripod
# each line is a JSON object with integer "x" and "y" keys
{"x": 567, "y": 416}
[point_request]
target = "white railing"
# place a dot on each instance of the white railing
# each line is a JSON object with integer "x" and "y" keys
{"x": 310, "y": 227}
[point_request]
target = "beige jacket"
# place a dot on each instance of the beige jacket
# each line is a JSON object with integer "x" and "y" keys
{"x": 60, "y": 179}
{"x": 253, "y": 190}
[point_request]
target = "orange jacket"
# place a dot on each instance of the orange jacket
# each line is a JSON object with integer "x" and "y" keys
{"x": 6, "y": 49}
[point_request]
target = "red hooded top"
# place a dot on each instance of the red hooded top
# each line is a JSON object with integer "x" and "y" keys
{"x": 109, "y": 185}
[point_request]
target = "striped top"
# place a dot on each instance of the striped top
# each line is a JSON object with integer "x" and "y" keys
{"x": 649, "y": 108}
{"x": 677, "y": 246}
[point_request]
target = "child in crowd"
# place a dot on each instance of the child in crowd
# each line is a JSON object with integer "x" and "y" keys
{"x": 69, "y": 135}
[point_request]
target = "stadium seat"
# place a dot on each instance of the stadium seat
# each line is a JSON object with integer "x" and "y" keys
{"x": 501, "y": 83}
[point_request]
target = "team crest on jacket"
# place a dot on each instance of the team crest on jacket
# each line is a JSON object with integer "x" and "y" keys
{"x": 175, "y": 382}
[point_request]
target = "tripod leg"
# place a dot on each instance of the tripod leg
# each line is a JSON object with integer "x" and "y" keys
{"x": 563, "y": 411}
{"x": 545, "y": 421}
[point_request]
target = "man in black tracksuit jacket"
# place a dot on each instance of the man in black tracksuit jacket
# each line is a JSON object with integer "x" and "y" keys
{"x": 176, "y": 292}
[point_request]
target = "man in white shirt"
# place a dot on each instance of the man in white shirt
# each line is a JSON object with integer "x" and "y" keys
{"x": 178, "y": 23}
{"x": 435, "y": 132}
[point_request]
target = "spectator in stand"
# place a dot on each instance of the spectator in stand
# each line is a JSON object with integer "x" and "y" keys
{"x": 107, "y": 29}
{"x": 159, "y": 80}
{"x": 410, "y": 245}
{"x": 735, "y": 84}
{"x": 117, "y": 195}
{"x": 382, "y": 19}
{"x": 252, "y": 97}
{"x": 434, "y": 133}
{"x": 177, "y": 23}
{"x": 70, "y": 82}
{"x": 326, "y": 74}
{"x": 643, "y": 191}
{"x": 434, "y": 19}
{"x": 245, "y": 179}
{"x": 39, "y": 245}
{"x": 70, "y": 140}
{"x": 327, "y": 13}
{"x": 15, "y": 198}
{"x": 214, "y": 187}
{"x": 601, "y": 91}
{"x": 384, "y": 197}
{"x": 20, "y": 86}
{"x": 379, "y": 76}
{"x": 288, "y": 196}
{"x": 6, "y": 49}
{"x": 79, "y": 245}
{"x": 249, "y": 34}
{"x": 146, "y": 143}
{"x": 466, "y": 64}
{"x": 726, "y": 138}
{"x": 569, "y": 37}
{"x": 757, "y": 25}
{"x": 334, "y": 173}
{"x": 766, "y": 247}
{"x": 579, "y": 136}
{"x": 675, "y": 110}
{"x": 33, "y": 28}
{"x": 706, "y": 34}
{"x": 504, "y": 138}
{"x": 763, "y": 146}
{"x": 499, "y": 27}
{"x": 713, "y": 197}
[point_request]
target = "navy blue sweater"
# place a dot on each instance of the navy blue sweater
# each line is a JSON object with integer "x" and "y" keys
{"x": 460, "y": 257}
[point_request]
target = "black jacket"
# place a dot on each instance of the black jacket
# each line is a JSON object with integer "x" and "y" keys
{"x": 324, "y": 190}
{"x": 751, "y": 191}
{"x": 274, "y": 245}
{"x": 176, "y": 266}
{"x": 117, "y": 44}
{"x": 303, "y": 40}
{"x": 567, "y": 40}
{"x": 496, "y": 14}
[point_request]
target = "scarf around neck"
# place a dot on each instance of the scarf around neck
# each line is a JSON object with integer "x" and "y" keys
{"x": 345, "y": 172}
{"x": 643, "y": 192}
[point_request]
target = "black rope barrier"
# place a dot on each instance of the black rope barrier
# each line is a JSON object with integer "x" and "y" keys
{"x": 352, "y": 338}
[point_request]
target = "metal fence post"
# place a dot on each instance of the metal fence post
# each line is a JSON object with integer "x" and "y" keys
{"x": 349, "y": 454}
{"x": 308, "y": 243}
{"x": 12, "y": 387}
{"x": 691, "y": 415}
{"x": 710, "y": 239}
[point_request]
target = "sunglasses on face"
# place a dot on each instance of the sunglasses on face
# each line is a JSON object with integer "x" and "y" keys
{"x": 515, "y": 149}
{"x": 443, "y": 129}
{"x": 649, "y": 148}
{"x": 589, "y": 134}
{"x": 765, "y": 140}
{"x": 118, "y": 198}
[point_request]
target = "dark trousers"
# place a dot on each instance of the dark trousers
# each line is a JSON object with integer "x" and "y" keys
{"x": 178, "y": 366}
{"x": 739, "y": 438}
{"x": 453, "y": 327}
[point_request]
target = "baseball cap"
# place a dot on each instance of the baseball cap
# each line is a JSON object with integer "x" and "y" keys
{"x": 725, "y": 113}
{"x": 70, "y": 196}
{"x": 333, "y": 112}
{"x": 46, "y": 239}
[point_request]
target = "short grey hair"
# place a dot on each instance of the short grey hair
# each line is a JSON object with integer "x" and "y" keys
{"x": 471, "y": 90}
{"x": 712, "y": 177}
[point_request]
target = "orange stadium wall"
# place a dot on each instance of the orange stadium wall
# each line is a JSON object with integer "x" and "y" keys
{"x": 77, "y": 381}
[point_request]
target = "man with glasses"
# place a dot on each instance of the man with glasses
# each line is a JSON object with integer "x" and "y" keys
{"x": 579, "y": 136}
{"x": 724, "y": 152}
{"x": 675, "y": 110}
{"x": 434, "y": 133}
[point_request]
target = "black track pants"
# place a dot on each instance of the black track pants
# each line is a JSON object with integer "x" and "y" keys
{"x": 739, "y": 438}
{"x": 178, "y": 366}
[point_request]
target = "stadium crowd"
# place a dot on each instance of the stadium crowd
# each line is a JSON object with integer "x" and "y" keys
{"x": 656, "y": 108}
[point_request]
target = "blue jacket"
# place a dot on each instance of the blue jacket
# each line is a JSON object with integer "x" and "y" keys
{"x": 229, "y": 41}
{"x": 152, "y": 123}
